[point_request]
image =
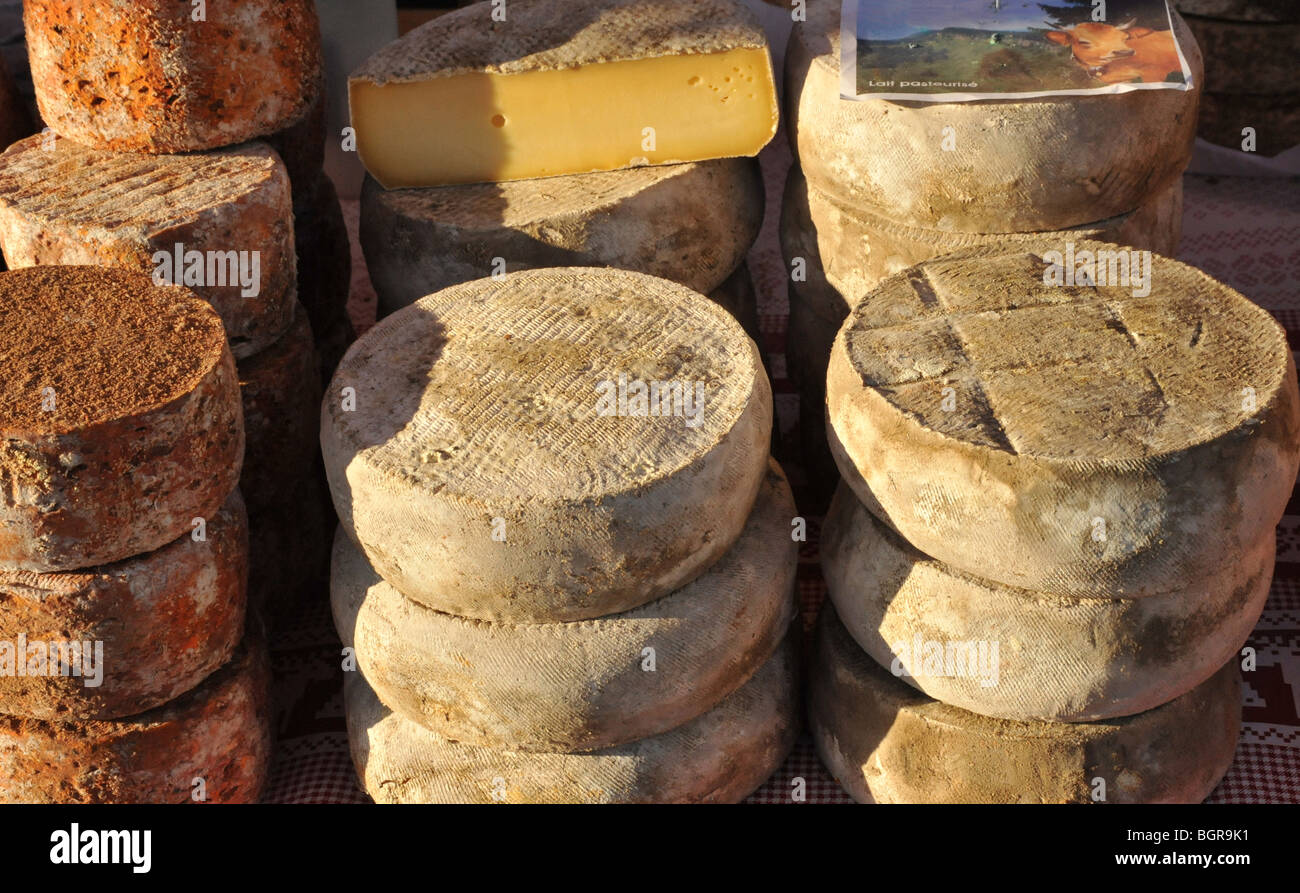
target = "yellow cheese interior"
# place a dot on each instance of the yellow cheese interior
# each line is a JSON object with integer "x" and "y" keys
{"x": 479, "y": 127}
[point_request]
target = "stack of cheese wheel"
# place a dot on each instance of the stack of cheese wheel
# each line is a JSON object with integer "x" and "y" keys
{"x": 566, "y": 562}
{"x": 125, "y": 671}
{"x": 1055, "y": 529}
{"x": 883, "y": 185}
{"x": 1250, "y": 48}
{"x": 194, "y": 178}
{"x": 691, "y": 222}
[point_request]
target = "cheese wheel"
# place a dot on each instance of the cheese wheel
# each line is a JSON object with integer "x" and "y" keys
{"x": 1018, "y": 165}
{"x": 736, "y": 295}
{"x": 490, "y": 469}
{"x": 886, "y": 743}
{"x": 146, "y": 76}
{"x": 1242, "y": 10}
{"x": 721, "y": 756}
{"x": 1247, "y": 57}
{"x": 587, "y": 685}
{"x": 280, "y": 392}
{"x": 1040, "y": 656}
{"x": 691, "y": 223}
{"x": 146, "y": 629}
{"x": 858, "y": 250}
{"x": 119, "y": 416}
{"x": 324, "y": 269}
{"x": 61, "y": 203}
{"x": 1275, "y": 120}
{"x": 1069, "y": 439}
{"x": 288, "y": 565}
{"x": 213, "y": 742}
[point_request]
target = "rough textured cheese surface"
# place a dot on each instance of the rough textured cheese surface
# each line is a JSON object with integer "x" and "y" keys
{"x": 280, "y": 392}
{"x": 1275, "y": 120}
{"x": 1018, "y": 166}
{"x": 1242, "y": 10}
{"x": 721, "y": 756}
{"x": 320, "y": 237}
{"x": 484, "y": 474}
{"x": 887, "y": 743}
{"x": 62, "y": 203}
{"x": 165, "y": 621}
{"x": 467, "y": 99}
{"x": 691, "y": 223}
{"x": 119, "y": 416}
{"x": 1058, "y": 659}
{"x": 585, "y": 685}
{"x": 1247, "y": 57}
{"x": 144, "y": 76}
{"x": 858, "y": 249}
{"x": 1093, "y": 442}
{"x": 220, "y": 732}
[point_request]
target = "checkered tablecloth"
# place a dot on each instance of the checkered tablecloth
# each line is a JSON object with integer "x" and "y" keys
{"x": 1243, "y": 231}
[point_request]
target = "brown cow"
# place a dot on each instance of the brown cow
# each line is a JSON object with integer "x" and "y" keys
{"x": 1117, "y": 54}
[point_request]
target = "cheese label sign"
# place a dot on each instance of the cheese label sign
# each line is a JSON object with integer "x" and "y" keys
{"x": 964, "y": 50}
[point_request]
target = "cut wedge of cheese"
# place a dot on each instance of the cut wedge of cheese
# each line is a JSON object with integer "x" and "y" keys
{"x": 1014, "y": 166}
{"x": 587, "y": 685}
{"x": 691, "y": 223}
{"x": 148, "y": 76}
{"x": 1070, "y": 439}
{"x": 719, "y": 757}
{"x": 119, "y": 416}
{"x": 1016, "y": 654}
{"x": 131, "y": 635}
{"x": 1247, "y": 57}
{"x": 218, "y": 223}
{"x": 885, "y": 742}
{"x": 212, "y": 744}
{"x": 469, "y": 98}
{"x": 493, "y": 459}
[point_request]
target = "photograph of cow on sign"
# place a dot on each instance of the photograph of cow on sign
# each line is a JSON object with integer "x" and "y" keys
{"x": 959, "y": 50}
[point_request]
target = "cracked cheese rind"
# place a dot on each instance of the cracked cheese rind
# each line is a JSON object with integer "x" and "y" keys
{"x": 1093, "y": 441}
{"x": 145, "y": 76}
{"x": 1058, "y": 659}
{"x": 885, "y": 742}
{"x": 1016, "y": 166}
{"x": 469, "y": 99}
{"x": 721, "y": 756}
{"x": 585, "y": 685}
{"x": 483, "y": 410}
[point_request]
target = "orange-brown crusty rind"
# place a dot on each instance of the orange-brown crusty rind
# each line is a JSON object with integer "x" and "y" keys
{"x": 1073, "y": 440}
{"x": 497, "y": 399}
{"x": 280, "y": 392}
{"x": 120, "y": 420}
{"x": 1016, "y": 166}
{"x": 164, "y": 620}
{"x": 218, "y": 733}
{"x": 581, "y": 686}
{"x": 144, "y": 76}
{"x": 885, "y": 742}
{"x": 721, "y": 756}
{"x": 63, "y": 203}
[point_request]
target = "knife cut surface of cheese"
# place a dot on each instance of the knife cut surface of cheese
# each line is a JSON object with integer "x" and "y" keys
{"x": 1092, "y": 439}
{"x": 586, "y": 685}
{"x": 494, "y": 460}
{"x": 564, "y": 89}
{"x": 721, "y": 756}
{"x": 120, "y": 420}
{"x": 1016, "y": 165}
{"x": 219, "y": 732}
{"x": 1040, "y": 657}
{"x": 229, "y": 211}
{"x": 691, "y": 223}
{"x": 162, "y": 622}
{"x": 885, "y": 742}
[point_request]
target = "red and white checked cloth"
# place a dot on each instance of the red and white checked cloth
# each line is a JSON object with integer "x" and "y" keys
{"x": 1244, "y": 231}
